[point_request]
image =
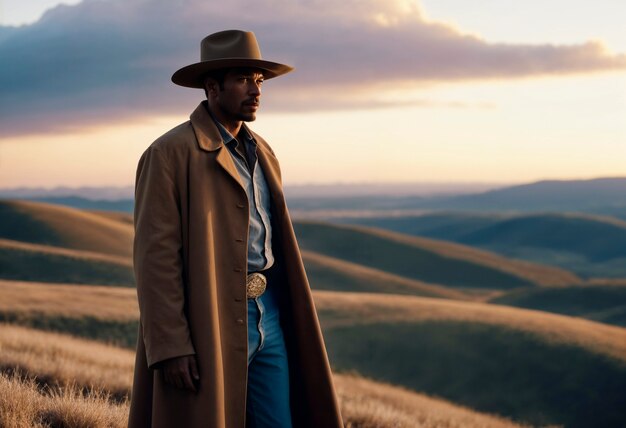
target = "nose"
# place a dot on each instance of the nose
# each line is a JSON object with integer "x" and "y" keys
{"x": 255, "y": 89}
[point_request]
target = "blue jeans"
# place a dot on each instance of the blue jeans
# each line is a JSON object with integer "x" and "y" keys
{"x": 267, "y": 402}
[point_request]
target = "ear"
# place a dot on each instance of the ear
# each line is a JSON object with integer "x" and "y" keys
{"x": 211, "y": 87}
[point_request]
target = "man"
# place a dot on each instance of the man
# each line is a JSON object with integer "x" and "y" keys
{"x": 229, "y": 336}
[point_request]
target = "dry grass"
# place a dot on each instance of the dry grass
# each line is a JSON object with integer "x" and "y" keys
{"x": 23, "y": 404}
{"x": 618, "y": 282}
{"x": 72, "y": 301}
{"x": 58, "y": 359}
{"x": 369, "y": 404}
{"x": 122, "y": 217}
{"x": 340, "y": 309}
{"x": 70, "y": 386}
{"x": 76, "y": 229}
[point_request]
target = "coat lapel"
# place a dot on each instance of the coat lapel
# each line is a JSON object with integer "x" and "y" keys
{"x": 210, "y": 140}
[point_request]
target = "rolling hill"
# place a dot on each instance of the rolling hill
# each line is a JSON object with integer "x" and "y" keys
{"x": 589, "y": 245}
{"x": 530, "y": 365}
{"x": 330, "y": 273}
{"x": 424, "y": 259}
{"x": 45, "y": 263}
{"x": 431, "y": 335}
{"x": 64, "y": 245}
{"x": 109, "y": 314}
{"x": 94, "y": 379}
{"x": 60, "y": 226}
{"x": 603, "y": 303}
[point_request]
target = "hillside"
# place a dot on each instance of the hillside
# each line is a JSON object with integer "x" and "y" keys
{"x": 60, "y": 226}
{"x": 78, "y": 365}
{"x": 45, "y": 263}
{"x": 109, "y": 314}
{"x": 589, "y": 245}
{"x": 529, "y": 365}
{"x": 603, "y": 303}
{"x": 329, "y": 273}
{"x": 424, "y": 259}
{"x": 432, "y": 335}
{"x": 364, "y": 260}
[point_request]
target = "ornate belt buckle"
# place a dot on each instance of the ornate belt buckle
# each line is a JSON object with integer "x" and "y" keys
{"x": 255, "y": 285}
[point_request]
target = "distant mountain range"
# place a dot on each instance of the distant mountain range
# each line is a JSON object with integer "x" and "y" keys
{"x": 601, "y": 196}
{"x": 571, "y": 195}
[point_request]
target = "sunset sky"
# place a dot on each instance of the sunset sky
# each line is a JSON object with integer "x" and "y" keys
{"x": 496, "y": 91}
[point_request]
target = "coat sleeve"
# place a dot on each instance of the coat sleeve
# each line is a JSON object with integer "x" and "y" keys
{"x": 158, "y": 260}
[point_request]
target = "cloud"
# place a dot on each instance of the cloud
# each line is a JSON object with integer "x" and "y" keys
{"x": 104, "y": 60}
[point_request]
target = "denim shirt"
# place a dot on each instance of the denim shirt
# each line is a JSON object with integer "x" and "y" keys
{"x": 260, "y": 256}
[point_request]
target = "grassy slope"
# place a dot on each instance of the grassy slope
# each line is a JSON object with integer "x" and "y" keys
{"x": 524, "y": 364}
{"x": 425, "y": 259}
{"x": 604, "y": 303}
{"x": 530, "y": 365}
{"x": 590, "y": 245}
{"x": 329, "y": 273}
{"x": 57, "y": 360}
{"x": 106, "y": 313}
{"x": 37, "y": 262}
{"x": 60, "y": 226}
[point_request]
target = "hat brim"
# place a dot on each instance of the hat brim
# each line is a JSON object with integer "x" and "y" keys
{"x": 192, "y": 76}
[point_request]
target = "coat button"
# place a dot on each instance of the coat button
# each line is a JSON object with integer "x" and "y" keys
{"x": 239, "y": 240}
{"x": 238, "y": 269}
{"x": 241, "y": 206}
{"x": 239, "y": 320}
{"x": 238, "y": 299}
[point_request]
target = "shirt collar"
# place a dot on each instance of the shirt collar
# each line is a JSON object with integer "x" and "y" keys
{"x": 228, "y": 137}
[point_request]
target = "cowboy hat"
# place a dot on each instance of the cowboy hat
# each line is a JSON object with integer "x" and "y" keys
{"x": 226, "y": 49}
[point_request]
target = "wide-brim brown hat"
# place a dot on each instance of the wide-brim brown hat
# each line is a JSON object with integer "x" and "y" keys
{"x": 227, "y": 49}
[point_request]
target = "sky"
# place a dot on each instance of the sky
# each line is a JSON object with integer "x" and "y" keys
{"x": 387, "y": 91}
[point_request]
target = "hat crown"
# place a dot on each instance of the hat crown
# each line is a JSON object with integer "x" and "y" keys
{"x": 230, "y": 44}
{"x": 227, "y": 49}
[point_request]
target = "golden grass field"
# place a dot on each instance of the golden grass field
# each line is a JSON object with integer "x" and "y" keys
{"x": 83, "y": 383}
{"x": 364, "y": 308}
{"x": 454, "y": 356}
{"x": 353, "y": 323}
{"x": 70, "y": 300}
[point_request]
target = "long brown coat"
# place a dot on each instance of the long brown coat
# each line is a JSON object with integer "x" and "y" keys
{"x": 191, "y": 223}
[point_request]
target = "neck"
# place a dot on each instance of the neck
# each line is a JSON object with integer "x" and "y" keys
{"x": 232, "y": 126}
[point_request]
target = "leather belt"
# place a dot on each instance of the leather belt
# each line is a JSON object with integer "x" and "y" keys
{"x": 256, "y": 284}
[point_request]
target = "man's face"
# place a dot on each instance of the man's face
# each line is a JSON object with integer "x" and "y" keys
{"x": 239, "y": 100}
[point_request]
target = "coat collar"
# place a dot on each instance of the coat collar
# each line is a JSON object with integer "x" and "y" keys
{"x": 207, "y": 134}
{"x": 210, "y": 139}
